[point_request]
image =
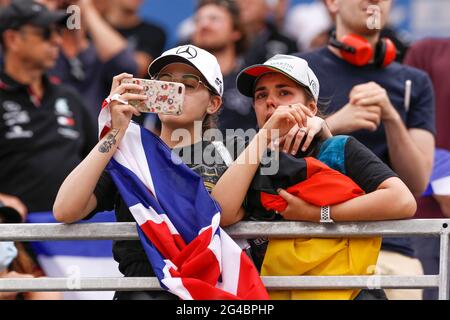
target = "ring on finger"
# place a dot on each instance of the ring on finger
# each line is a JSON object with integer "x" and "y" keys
{"x": 302, "y": 130}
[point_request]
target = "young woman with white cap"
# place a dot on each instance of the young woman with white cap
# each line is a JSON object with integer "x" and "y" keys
{"x": 275, "y": 86}
{"x": 89, "y": 188}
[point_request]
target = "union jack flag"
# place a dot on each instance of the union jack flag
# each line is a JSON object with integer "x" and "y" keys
{"x": 178, "y": 221}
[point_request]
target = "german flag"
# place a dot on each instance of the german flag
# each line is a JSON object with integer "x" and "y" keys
{"x": 318, "y": 184}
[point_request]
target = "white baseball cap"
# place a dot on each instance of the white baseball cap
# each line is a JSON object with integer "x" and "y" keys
{"x": 200, "y": 59}
{"x": 294, "y": 68}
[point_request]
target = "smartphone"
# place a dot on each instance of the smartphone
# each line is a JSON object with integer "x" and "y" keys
{"x": 163, "y": 97}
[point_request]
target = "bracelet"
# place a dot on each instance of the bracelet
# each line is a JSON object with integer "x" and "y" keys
{"x": 116, "y": 97}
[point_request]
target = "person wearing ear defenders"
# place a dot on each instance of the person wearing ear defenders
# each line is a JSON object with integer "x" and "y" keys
{"x": 387, "y": 106}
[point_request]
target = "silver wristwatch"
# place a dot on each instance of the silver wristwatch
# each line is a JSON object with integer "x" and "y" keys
{"x": 325, "y": 215}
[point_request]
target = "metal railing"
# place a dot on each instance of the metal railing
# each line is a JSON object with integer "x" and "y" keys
{"x": 242, "y": 230}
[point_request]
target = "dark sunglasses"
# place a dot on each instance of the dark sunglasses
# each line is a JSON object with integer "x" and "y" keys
{"x": 45, "y": 33}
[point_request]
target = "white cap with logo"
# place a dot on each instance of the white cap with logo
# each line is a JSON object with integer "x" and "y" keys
{"x": 200, "y": 59}
{"x": 294, "y": 68}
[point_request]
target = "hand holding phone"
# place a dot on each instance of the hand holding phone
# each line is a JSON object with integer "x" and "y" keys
{"x": 163, "y": 97}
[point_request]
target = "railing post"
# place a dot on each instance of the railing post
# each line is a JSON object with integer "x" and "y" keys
{"x": 444, "y": 262}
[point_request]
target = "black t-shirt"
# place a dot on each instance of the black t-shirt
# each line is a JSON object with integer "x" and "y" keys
{"x": 90, "y": 76}
{"x": 145, "y": 37}
{"x": 130, "y": 255}
{"x": 237, "y": 110}
{"x": 268, "y": 43}
{"x": 342, "y": 153}
{"x": 337, "y": 78}
{"x": 150, "y": 39}
{"x": 41, "y": 142}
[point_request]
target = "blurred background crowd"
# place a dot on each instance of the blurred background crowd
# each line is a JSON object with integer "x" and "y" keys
{"x": 115, "y": 36}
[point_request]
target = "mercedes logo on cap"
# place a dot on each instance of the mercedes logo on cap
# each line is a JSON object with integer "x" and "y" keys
{"x": 187, "y": 52}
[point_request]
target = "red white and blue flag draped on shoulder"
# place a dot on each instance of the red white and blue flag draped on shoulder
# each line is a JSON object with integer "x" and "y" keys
{"x": 178, "y": 221}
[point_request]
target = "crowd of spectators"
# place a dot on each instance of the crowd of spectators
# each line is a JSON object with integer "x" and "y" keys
{"x": 54, "y": 78}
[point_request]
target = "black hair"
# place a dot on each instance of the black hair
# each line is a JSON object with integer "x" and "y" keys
{"x": 211, "y": 120}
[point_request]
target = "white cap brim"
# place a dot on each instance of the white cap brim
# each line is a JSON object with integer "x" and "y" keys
{"x": 247, "y": 78}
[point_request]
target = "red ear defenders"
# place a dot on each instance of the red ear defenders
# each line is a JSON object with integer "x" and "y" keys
{"x": 358, "y": 51}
